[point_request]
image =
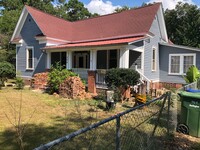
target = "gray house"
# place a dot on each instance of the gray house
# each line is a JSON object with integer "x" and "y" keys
{"x": 91, "y": 46}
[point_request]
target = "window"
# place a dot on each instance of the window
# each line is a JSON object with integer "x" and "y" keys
{"x": 29, "y": 58}
{"x": 107, "y": 59}
{"x": 58, "y": 57}
{"x": 179, "y": 63}
{"x": 153, "y": 64}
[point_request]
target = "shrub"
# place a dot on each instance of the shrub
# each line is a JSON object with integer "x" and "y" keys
{"x": 56, "y": 76}
{"x": 192, "y": 74}
{"x": 19, "y": 82}
{"x": 7, "y": 70}
{"x": 118, "y": 77}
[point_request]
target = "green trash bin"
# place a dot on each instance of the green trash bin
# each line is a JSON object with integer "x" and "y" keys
{"x": 190, "y": 114}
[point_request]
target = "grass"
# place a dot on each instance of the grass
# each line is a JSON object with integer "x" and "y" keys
{"x": 48, "y": 117}
{"x": 45, "y": 117}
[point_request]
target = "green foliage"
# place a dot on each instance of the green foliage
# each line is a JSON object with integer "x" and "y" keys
{"x": 7, "y": 55}
{"x": 117, "y": 10}
{"x": 76, "y": 10}
{"x": 183, "y": 23}
{"x": 56, "y": 76}
{"x": 19, "y": 82}
{"x": 7, "y": 70}
{"x": 118, "y": 77}
{"x": 192, "y": 74}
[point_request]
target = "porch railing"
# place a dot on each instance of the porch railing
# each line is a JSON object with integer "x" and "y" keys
{"x": 143, "y": 78}
{"x": 82, "y": 72}
{"x": 100, "y": 76}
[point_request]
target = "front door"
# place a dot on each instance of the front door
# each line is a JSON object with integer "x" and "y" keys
{"x": 81, "y": 59}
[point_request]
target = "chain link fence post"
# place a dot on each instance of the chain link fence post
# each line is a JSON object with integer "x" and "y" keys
{"x": 118, "y": 147}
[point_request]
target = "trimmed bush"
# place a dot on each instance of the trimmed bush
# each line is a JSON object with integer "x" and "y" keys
{"x": 119, "y": 80}
{"x": 119, "y": 77}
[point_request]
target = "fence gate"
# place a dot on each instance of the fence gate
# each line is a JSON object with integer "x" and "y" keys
{"x": 143, "y": 127}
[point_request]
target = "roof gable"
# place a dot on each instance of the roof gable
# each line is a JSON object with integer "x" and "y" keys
{"x": 131, "y": 23}
{"x": 51, "y": 26}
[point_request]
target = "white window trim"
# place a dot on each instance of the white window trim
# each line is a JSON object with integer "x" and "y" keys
{"x": 29, "y": 47}
{"x": 153, "y": 49}
{"x": 181, "y": 62}
{"x": 16, "y": 60}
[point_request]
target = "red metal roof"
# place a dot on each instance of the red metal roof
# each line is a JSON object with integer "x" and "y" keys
{"x": 96, "y": 43}
{"x": 127, "y": 23}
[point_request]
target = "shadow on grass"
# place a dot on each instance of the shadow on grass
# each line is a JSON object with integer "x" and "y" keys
{"x": 100, "y": 138}
{"x": 36, "y": 135}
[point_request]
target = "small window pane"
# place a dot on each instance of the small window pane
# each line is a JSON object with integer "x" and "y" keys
{"x": 30, "y": 58}
{"x": 154, "y": 60}
{"x": 175, "y": 64}
{"x": 102, "y": 59}
{"x": 188, "y": 61}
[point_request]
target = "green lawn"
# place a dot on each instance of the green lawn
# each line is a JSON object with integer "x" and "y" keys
{"x": 45, "y": 117}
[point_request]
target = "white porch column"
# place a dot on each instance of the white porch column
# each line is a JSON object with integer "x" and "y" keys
{"x": 124, "y": 58}
{"x": 48, "y": 60}
{"x": 93, "y": 59}
{"x": 69, "y": 60}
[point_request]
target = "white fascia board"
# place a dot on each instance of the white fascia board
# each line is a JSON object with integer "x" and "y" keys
{"x": 136, "y": 41}
{"x": 50, "y": 41}
{"x": 161, "y": 20}
{"x": 20, "y": 23}
{"x": 57, "y": 40}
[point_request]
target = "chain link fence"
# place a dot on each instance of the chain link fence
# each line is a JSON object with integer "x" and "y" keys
{"x": 194, "y": 85}
{"x": 144, "y": 127}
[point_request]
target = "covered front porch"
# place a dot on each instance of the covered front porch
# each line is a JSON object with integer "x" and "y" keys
{"x": 99, "y": 60}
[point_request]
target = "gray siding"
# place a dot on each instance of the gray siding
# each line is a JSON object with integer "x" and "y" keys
{"x": 148, "y": 45}
{"x": 28, "y": 33}
{"x": 164, "y": 63}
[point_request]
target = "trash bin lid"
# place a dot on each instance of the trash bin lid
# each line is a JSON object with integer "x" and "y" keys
{"x": 193, "y": 90}
{"x": 190, "y": 94}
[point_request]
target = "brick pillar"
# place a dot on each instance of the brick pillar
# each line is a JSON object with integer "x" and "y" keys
{"x": 92, "y": 81}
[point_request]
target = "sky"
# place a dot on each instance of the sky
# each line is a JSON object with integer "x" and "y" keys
{"x": 108, "y": 6}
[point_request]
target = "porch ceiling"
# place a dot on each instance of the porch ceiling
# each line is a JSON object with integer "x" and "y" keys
{"x": 96, "y": 43}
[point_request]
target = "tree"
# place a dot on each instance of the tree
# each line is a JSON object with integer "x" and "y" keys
{"x": 183, "y": 24}
{"x": 6, "y": 71}
{"x": 76, "y": 10}
{"x": 117, "y": 10}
